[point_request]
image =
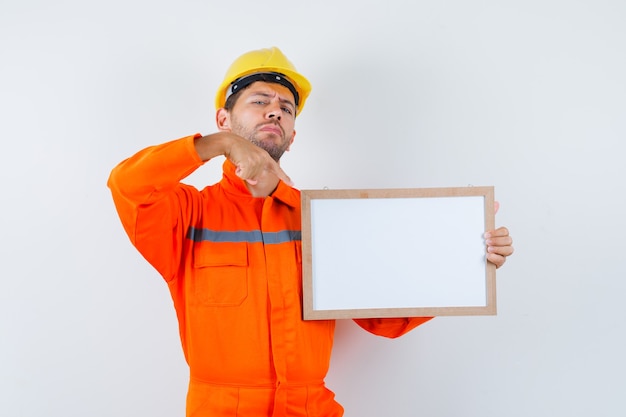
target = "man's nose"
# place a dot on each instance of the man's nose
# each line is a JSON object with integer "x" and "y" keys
{"x": 274, "y": 111}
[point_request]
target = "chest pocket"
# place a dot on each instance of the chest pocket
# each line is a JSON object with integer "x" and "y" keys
{"x": 221, "y": 274}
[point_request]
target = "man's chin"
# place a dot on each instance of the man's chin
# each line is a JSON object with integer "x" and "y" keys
{"x": 275, "y": 151}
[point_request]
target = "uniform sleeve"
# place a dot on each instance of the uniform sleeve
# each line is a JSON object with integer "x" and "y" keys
{"x": 152, "y": 204}
{"x": 391, "y": 327}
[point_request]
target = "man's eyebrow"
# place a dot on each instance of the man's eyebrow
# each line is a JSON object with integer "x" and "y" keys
{"x": 260, "y": 93}
{"x": 287, "y": 101}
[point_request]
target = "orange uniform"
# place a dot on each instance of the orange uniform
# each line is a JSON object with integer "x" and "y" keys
{"x": 232, "y": 263}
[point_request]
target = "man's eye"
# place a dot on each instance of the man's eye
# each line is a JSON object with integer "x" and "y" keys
{"x": 287, "y": 110}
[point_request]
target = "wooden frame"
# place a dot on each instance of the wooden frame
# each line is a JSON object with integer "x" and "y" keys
{"x": 397, "y": 253}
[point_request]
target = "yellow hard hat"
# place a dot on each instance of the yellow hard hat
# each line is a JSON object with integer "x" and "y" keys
{"x": 269, "y": 65}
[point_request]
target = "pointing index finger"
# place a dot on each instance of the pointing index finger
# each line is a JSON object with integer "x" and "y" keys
{"x": 282, "y": 175}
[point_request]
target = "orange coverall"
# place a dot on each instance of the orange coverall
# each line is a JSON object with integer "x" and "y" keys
{"x": 232, "y": 263}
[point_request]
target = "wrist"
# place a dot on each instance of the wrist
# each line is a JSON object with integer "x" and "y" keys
{"x": 212, "y": 145}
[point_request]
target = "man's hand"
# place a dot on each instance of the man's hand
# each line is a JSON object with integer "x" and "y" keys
{"x": 499, "y": 246}
{"x": 253, "y": 163}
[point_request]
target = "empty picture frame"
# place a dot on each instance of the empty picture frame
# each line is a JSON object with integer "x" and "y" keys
{"x": 397, "y": 253}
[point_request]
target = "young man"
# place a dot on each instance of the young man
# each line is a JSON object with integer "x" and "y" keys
{"x": 231, "y": 253}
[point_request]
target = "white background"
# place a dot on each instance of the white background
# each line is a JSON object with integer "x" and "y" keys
{"x": 528, "y": 96}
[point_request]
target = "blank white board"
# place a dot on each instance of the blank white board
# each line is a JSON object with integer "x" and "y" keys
{"x": 397, "y": 253}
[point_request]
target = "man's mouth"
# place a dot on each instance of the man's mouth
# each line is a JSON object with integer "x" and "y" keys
{"x": 272, "y": 128}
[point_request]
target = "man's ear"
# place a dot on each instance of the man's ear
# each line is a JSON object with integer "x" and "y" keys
{"x": 222, "y": 119}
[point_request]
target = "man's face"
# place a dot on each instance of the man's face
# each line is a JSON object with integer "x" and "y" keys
{"x": 265, "y": 114}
